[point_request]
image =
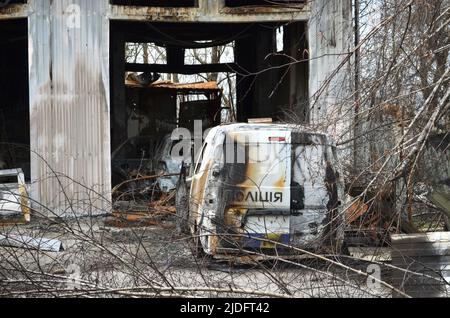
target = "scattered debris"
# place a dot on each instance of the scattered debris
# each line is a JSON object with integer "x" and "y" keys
{"x": 145, "y": 78}
{"x": 356, "y": 210}
{"x": 14, "y": 200}
{"x": 141, "y": 214}
{"x": 27, "y": 242}
{"x": 370, "y": 254}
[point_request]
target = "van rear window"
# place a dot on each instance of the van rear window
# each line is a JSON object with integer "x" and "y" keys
{"x": 255, "y": 161}
{"x": 248, "y": 153}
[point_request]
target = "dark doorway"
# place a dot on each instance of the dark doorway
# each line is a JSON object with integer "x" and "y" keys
{"x": 14, "y": 96}
{"x": 156, "y": 67}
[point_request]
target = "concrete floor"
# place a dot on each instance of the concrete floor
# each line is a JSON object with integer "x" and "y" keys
{"x": 153, "y": 261}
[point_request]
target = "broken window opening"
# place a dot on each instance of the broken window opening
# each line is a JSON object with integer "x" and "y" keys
{"x": 280, "y": 39}
{"x": 146, "y": 53}
{"x": 210, "y": 55}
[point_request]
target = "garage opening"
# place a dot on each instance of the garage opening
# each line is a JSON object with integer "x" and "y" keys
{"x": 14, "y": 96}
{"x": 178, "y": 75}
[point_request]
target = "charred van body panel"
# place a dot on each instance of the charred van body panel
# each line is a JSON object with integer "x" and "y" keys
{"x": 258, "y": 184}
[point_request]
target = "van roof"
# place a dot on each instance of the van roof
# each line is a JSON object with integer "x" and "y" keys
{"x": 255, "y": 127}
{"x": 267, "y": 126}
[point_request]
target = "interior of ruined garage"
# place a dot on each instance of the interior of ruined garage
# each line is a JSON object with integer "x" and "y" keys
{"x": 14, "y": 96}
{"x": 271, "y": 79}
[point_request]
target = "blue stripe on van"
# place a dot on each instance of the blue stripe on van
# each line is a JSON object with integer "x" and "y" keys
{"x": 257, "y": 240}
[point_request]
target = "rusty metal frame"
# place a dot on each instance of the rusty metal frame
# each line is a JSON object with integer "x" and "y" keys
{"x": 209, "y": 11}
{"x": 14, "y": 11}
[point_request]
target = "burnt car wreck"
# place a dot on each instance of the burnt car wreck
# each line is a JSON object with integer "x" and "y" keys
{"x": 256, "y": 185}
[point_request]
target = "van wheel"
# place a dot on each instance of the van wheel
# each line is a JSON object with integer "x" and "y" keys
{"x": 182, "y": 207}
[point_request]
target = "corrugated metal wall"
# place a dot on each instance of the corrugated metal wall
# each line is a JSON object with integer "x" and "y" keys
{"x": 330, "y": 32}
{"x": 69, "y": 106}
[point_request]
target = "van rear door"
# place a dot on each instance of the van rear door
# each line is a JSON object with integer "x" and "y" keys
{"x": 312, "y": 157}
{"x": 259, "y": 177}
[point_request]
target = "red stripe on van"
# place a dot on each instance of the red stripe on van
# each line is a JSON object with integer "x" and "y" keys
{"x": 279, "y": 139}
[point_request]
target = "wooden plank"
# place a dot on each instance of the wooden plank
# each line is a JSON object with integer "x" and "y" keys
{"x": 425, "y": 246}
{"x": 420, "y": 284}
{"x": 427, "y": 294}
{"x": 427, "y": 254}
{"x": 422, "y": 281}
{"x": 445, "y": 251}
{"x": 433, "y": 259}
{"x": 429, "y": 270}
{"x": 425, "y": 290}
{"x": 420, "y": 267}
{"x": 425, "y": 274}
{"x": 420, "y": 238}
{"x": 412, "y": 294}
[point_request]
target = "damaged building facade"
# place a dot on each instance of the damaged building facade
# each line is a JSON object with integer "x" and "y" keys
{"x": 63, "y": 91}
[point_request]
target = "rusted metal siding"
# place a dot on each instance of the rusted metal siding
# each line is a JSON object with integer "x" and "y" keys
{"x": 69, "y": 106}
{"x": 209, "y": 11}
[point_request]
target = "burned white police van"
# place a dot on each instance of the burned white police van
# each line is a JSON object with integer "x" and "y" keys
{"x": 262, "y": 188}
